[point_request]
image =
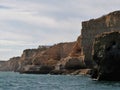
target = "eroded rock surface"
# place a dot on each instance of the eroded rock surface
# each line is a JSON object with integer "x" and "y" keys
{"x": 32, "y": 59}
{"x": 106, "y": 54}
{"x": 10, "y": 65}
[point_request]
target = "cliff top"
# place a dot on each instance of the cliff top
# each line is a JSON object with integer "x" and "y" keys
{"x": 110, "y": 20}
{"x": 115, "y": 13}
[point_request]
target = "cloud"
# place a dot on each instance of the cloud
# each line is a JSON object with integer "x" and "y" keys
{"x": 16, "y": 43}
{"x": 29, "y": 23}
{"x": 4, "y": 7}
{"x": 37, "y": 20}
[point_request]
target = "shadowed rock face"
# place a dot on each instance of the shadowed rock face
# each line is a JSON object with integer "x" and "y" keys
{"x": 74, "y": 63}
{"x": 106, "y": 54}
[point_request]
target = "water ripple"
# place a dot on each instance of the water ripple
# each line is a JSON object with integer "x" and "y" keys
{"x": 16, "y": 81}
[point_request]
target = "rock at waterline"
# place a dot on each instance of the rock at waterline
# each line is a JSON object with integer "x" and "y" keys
{"x": 106, "y": 54}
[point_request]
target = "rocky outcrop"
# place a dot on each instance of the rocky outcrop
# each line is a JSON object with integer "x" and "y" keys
{"x": 52, "y": 55}
{"x": 1, "y": 63}
{"x": 44, "y": 58}
{"x": 67, "y": 57}
{"x": 77, "y": 50}
{"x": 74, "y": 63}
{"x": 10, "y": 65}
{"x": 74, "y": 60}
{"x": 18, "y": 63}
{"x": 40, "y": 61}
{"x": 27, "y": 57}
{"x": 106, "y": 54}
{"x": 70, "y": 63}
{"x": 94, "y": 27}
{"x": 74, "y": 56}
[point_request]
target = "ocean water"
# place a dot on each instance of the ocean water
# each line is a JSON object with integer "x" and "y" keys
{"x": 16, "y": 81}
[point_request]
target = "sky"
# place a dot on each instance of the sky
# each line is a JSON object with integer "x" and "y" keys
{"x": 29, "y": 23}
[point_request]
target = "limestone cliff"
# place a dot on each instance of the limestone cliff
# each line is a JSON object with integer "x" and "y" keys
{"x": 55, "y": 52}
{"x": 94, "y": 27}
{"x": 75, "y": 59}
{"x": 48, "y": 58}
{"x": 10, "y": 65}
{"x": 28, "y": 56}
{"x": 45, "y": 59}
{"x": 39, "y": 60}
{"x": 73, "y": 55}
{"x": 77, "y": 48}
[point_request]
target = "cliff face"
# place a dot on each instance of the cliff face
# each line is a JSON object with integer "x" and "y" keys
{"x": 94, "y": 27}
{"x": 73, "y": 55}
{"x": 54, "y": 53}
{"x": 27, "y": 57}
{"x": 45, "y": 59}
{"x": 77, "y": 48}
{"x": 39, "y": 60}
{"x": 10, "y": 65}
{"x": 106, "y": 54}
{"x": 75, "y": 59}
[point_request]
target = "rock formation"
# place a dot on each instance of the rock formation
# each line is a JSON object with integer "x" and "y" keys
{"x": 69, "y": 57}
{"x": 73, "y": 63}
{"x": 55, "y": 52}
{"x": 106, "y": 54}
{"x": 77, "y": 48}
{"x": 94, "y": 27}
{"x": 45, "y": 60}
{"x": 10, "y": 65}
{"x": 75, "y": 59}
{"x": 27, "y": 57}
{"x": 101, "y": 37}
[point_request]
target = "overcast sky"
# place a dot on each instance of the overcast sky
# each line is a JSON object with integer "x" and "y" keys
{"x": 29, "y": 23}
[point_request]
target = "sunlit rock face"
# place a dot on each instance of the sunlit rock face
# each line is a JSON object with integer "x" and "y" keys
{"x": 47, "y": 58}
{"x": 106, "y": 54}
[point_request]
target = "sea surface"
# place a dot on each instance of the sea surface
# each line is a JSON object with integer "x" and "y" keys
{"x": 16, "y": 81}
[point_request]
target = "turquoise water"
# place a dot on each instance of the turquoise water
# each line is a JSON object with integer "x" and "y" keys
{"x": 16, "y": 81}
